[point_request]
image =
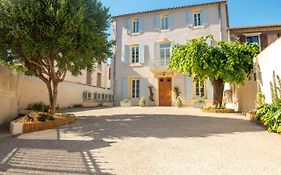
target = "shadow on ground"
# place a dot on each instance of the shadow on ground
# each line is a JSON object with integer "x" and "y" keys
{"x": 55, "y": 155}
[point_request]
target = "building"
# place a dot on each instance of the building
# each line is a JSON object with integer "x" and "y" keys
{"x": 264, "y": 35}
{"x": 143, "y": 50}
{"x": 18, "y": 91}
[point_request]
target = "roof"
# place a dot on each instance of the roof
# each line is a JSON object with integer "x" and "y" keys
{"x": 256, "y": 27}
{"x": 171, "y": 8}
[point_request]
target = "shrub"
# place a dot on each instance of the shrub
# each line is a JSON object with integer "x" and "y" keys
{"x": 42, "y": 117}
{"x": 38, "y": 107}
{"x": 142, "y": 102}
{"x": 260, "y": 98}
{"x": 51, "y": 118}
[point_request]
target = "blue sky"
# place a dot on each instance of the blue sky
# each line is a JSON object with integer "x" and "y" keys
{"x": 241, "y": 12}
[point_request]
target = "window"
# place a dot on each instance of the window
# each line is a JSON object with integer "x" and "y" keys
{"x": 165, "y": 54}
{"x": 199, "y": 89}
{"x": 164, "y": 23}
{"x": 253, "y": 39}
{"x": 99, "y": 80}
{"x": 109, "y": 73}
{"x": 197, "y": 19}
{"x": 136, "y": 25}
{"x": 135, "y": 88}
{"x": 89, "y": 77}
{"x": 135, "y": 54}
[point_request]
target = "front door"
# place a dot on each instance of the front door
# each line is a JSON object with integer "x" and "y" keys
{"x": 165, "y": 91}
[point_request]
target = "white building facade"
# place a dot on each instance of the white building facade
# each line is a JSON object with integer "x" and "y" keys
{"x": 144, "y": 42}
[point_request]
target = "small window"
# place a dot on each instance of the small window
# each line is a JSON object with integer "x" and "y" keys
{"x": 105, "y": 97}
{"x": 197, "y": 19}
{"x": 109, "y": 73}
{"x": 253, "y": 39}
{"x": 164, "y": 23}
{"x": 98, "y": 96}
{"x": 89, "y": 95}
{"x": 136, "y": 25}
{"x": 135, "y": 88}
{"x": 135, "y": 54}
{"x": 200, "y": 89}
{"x": 98, "y": 79}
{"x": 95, "y": 95}
{"x": 102, "y": 96}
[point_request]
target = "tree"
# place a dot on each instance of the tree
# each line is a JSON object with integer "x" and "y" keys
{"x": 230, "y": 62}
{"x": 48, "y": 38}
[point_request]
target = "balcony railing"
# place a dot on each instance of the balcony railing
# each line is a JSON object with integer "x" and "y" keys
{"x": 159, "y": 63}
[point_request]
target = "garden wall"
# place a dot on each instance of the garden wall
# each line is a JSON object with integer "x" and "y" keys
{"x": 267, "y": 62}
{"x": 17, "y": 91}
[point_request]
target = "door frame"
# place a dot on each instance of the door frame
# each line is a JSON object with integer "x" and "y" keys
{"x": 171, "y": 85}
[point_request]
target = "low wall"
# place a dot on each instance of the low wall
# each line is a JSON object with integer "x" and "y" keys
{"x": 17, "y": 91}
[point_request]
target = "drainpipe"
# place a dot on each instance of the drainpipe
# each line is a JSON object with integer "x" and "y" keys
{"x": 219, "y": 11}
{"x": 113, "y": 61}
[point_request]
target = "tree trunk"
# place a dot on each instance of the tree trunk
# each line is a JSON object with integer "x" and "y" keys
{"x": 53, "y": 94}
{"x": 218, "y": 91}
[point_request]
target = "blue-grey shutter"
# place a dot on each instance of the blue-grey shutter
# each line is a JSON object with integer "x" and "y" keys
{"x": 128, "y": 25}
{"x": 141, "y": 25}
{"x": 124, "y": 88}
{"x": 188, "y": 87}
{"x": 141, "y": 49}
{"x": 209, "y": 90}
{"x": 126, "y": 54}
{"x": 142, "y": 87}
{"x": 157, "y": 22}
{"x": 189, "y": 18}
{"x": 155, "y": 62}
{"x": 171, "y": 21}
{"x": 205, "y": 17}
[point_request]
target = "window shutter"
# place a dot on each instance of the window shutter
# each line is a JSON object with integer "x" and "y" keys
{"x": 189, "y": 18}
{"x": 128, "y": 25}
{"x": 264, "y": 41}
{"x": 126, "y": 54}
{"x": 188, "y": 87}
{"x": 141, "y": 24}
{"x": 205, "y": 17}
{"x": 142, "y": 87}
{"x": 171, "y": 21}
{"x": 157, "y": 22}
{"x": 141, "y": 49}
{"x": 124, "y": 88}
{"x": 155, "y": 62}
{"x": 209, "y": 90}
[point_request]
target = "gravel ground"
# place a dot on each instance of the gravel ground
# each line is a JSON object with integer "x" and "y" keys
{"x": 140, "y": 141}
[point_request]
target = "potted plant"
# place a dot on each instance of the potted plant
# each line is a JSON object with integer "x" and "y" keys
{"x": 125, "y": 103}
{"x": 142, "y": 102}
{"x": 151, "y": 99}
{"x": 200, "y": 103}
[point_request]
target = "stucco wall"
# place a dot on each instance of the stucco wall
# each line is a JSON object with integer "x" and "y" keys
{"x": 268, "y": 61}
{"x": 8, "y": 94}
{"x": 17, "y": 91}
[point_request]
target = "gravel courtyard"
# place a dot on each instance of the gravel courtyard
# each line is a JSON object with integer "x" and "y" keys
{"x": 145, "y": 141}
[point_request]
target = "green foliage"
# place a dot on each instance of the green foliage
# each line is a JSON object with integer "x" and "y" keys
{"x": 39, "y": 107}
{"x": 231, "y": 62}
{"x": 142, "y": 102}
{"x": 260, "y": 98}
{"x": 177, "y": 92}
{"x": 275, "y": 87}
{"x": 51, "y": 118}
{"x": 47, "y": 38}
{"x": 220, "y": 106}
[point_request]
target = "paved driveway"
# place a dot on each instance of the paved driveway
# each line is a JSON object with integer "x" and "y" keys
{"x": 140, "y": 141}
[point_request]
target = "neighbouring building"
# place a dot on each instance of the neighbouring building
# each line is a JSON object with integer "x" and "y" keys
{"x": 264, "y": 35}
{"x": 143, "y": 50}
{"x": 17, "y": 91}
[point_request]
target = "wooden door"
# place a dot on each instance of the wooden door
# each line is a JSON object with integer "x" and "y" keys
{"x": 165, "y": 91}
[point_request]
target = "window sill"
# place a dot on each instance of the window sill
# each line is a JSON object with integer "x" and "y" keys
{"x": 165, "y": 30}
{"x": 136, "y": 34}
{"x": 135, "y": 64}
{"x": 199, "y": 27}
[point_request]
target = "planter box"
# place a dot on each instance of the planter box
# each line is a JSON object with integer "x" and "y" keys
{"x": 125, "y": 104}
{"x": 199, "y": 104}
{"x": 19, "y": 128}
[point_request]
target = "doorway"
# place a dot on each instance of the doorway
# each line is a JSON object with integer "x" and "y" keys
{"x": 165, "y": 91}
